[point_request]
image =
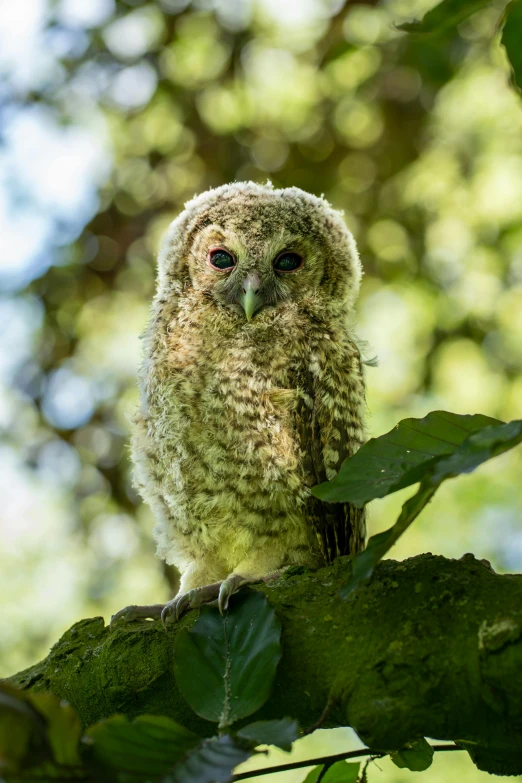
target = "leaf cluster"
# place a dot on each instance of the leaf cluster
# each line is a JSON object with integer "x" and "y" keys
{"x": 225, "y": 667}
{"x": 426, "y": 451}
{"x": 448, "y": 14}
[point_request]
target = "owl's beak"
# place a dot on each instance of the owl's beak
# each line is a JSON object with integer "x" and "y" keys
{"x": 249, "y": 297}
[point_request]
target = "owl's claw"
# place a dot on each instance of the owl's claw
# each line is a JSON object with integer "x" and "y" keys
{"x": 183, "y": 604}
{"x": 228, "y": 587}
{"x": 130, "y": 613}
{"x": 165, "y": 613}
{"x": 176, "y": 607}
{"x": 219, "y": 592}
{"x": 192, "y": 599}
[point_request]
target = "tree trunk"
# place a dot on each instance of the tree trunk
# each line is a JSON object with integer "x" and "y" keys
{"x": 429, "y": 647}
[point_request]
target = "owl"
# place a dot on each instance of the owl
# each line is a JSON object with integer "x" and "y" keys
{"x": 252, "y": 391}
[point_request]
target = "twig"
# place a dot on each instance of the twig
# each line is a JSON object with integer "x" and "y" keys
{"x": 363, "y": 777}
{"x": 330, "y": 703}
{"x": 352, "y": 754}
{"x": 323, "y": 773}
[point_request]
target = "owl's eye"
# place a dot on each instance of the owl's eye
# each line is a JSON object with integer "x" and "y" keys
{"x": 288, "y": 262}
{"x": 221, "y": 259}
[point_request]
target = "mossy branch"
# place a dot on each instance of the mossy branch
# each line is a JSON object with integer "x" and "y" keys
{"x": 430, "y": 647}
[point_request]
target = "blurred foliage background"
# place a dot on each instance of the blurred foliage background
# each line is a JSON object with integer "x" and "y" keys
{"x": 113, "y": 113}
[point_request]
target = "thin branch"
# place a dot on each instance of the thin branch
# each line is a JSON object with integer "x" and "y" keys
{"x": 363, "y": 776}
{"x": 323, "y": 773}
{"x": 330, "y": 704}
{"x": 352, "y": 754}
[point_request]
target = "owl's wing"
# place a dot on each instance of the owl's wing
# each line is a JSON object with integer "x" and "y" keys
{"x": 330, "y": 426}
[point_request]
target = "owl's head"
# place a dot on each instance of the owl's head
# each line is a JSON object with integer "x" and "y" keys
{"x": 249, "y": 247}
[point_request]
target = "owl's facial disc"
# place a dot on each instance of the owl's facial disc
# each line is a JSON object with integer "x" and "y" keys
{"x": 251, "y": 271}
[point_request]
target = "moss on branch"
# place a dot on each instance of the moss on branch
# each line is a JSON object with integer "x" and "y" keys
{"x": 430, "y": 647}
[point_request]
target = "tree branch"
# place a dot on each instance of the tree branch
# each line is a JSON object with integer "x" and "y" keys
{"x": 350, "y": 754}
{"x": 430, "y": 647}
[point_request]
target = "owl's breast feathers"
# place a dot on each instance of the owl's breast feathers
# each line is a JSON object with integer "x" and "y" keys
{"x": 243, "y": 422}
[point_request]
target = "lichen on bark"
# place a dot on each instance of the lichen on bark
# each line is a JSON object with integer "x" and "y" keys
{"x": 429, "y": 647}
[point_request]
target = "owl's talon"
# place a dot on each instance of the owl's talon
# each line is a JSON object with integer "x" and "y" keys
{"x": 192, "y": 599}
{"x": 224, "y": 595}
{"x": 184, "y": 602}
{"x": 228, "y": 587}
{"x": 123, "y": 614}
{"x": 165, "y": 613}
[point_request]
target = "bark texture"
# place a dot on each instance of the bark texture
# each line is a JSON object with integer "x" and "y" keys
{"x": 430, "y": 647}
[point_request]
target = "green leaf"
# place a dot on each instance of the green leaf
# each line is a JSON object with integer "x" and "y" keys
{"x": 225, "y": 666}
{"x": 39, "y": 738}
{"x": 63, "y": 727}
{"x": 399, "y": 458}
{"x": 49, "y": 772}
{"x": 314, "y": 774}
{"x": 22, "y": 731}
{"x": 212, "y": 762}
{"x": 340, "y": 772}
{"x": 447, "y": 14}
{"x": 148, "y": 746}
{"x": 415, "y": 756}
{"x": 281, "y": 733}
{"x": 479, "y": 446}
{"x": 512, "y": 40}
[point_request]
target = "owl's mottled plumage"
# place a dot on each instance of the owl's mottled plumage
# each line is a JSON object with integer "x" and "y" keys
{"x": 239, "y": 418}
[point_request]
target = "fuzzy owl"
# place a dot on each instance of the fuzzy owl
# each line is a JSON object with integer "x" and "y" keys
{"x": 252, "y": 391}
